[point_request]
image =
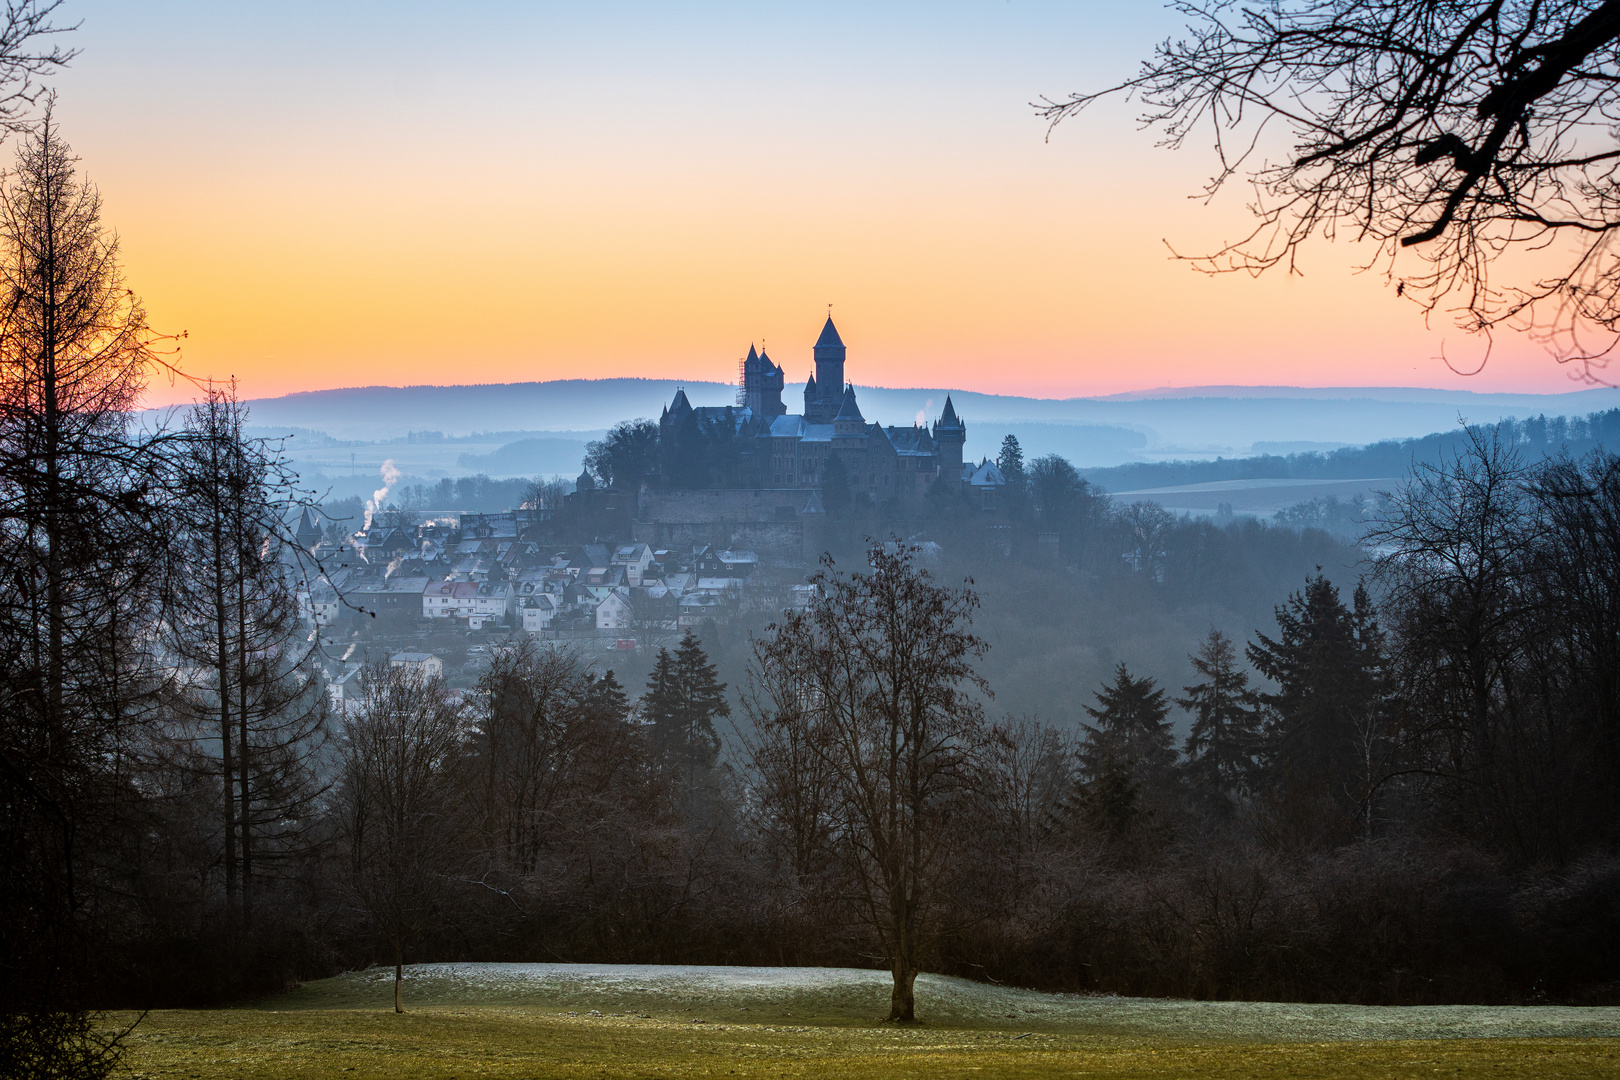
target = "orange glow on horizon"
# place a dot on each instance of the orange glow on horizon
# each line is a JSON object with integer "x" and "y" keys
{"x": 583, "y": 199}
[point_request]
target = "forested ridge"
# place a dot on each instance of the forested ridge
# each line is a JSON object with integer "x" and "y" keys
{"x": 1534, "y": 437}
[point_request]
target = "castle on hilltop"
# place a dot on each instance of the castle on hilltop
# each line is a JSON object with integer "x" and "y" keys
{"x": 782, "y": 465}
{"x": 793, "y": 451}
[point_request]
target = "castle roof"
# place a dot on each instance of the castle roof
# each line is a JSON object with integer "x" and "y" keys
{"x": 985, "y": 474}
{"x": 829, "y": 336}
{"x": 680, "y": 404}
{"x": 948, "y": 419}
{"x": 752, "y": 355}
{"x": 848, "y": 411}
{"x": 911, "y": 440}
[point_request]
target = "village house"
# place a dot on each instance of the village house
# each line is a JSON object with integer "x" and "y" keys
{"x": 418, "y": 663}
{"x": 615, "y": 611}
{"x": 539, "y": 612}
{"x": 449, "y": 599}
{"x": 634, "y": 559}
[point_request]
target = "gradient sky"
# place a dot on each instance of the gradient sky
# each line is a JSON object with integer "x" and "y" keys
{"x": 338, "y": 194}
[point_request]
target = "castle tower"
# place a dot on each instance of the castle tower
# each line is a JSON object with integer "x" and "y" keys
{"x": 830, "y": 363}
{"x": 950, "y": 433}
{"x": 828, "y": 380}
{"x": 762, "y": 383}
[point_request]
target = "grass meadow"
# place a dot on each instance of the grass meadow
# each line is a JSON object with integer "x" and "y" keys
{"x": 468, "y": 1020}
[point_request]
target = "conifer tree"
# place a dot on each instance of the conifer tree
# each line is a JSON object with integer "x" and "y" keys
{"x": 82, "y": 555}
{"x": 1130, "y": 752}
{"x": 1322, "y": 735}
{"x": 606, "y": 697}
{"x": 836, "y": 493}
{"x": 1221, "y": 745}
{"x": 684, "y": 698}
{"x": 661, "y": 705}
{"x": 703, "y": 700}
{"x": 1011, "y": 461}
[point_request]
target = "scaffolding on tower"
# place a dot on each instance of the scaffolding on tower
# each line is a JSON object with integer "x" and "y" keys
{"x": 742, "y": 382}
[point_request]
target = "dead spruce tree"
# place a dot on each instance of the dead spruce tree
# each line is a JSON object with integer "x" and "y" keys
{"x": 254, "y": 705}
{"x": 79, "y": 553}
{"x": 877, "y": 681}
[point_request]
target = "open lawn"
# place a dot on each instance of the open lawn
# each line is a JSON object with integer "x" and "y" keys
{"x": 470, "y": 1020}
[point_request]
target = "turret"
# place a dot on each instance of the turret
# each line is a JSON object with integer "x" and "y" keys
{"x": 849, "y": 422}
{"x": 950, "y": 433}
{"x": 762, "y": 384}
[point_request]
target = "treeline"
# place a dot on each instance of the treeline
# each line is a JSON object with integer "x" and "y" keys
{"x": 1537, "y": 437}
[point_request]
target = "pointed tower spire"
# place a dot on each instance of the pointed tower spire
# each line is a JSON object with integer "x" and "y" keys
{"x": 950, "y": 433}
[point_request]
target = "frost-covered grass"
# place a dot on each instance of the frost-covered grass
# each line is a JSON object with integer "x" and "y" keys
{"x": 578, "y": 1020}
{"x": 852, "y": 996}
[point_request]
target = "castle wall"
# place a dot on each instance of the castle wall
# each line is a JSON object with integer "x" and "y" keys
{"x": 761, "y": 519}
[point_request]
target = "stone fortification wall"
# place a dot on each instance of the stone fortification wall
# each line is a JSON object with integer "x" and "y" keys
{"x": 762, "y": 519}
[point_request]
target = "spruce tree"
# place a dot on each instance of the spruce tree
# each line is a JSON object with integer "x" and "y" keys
{"x": 1222, "y": 743}
{"x": 1130, "y": 753}
{"x": 703, "y": 700}
{"x": 661, "y": 708}
{"x": 1011, "y": 461}
{"x": 683, "y": 699}
{"x": 1326, "y": 717}
{"x": 837, "y": 495}
{"x": 606, "y": 697}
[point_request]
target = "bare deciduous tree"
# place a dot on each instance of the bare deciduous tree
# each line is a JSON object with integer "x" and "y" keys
{"x": 402, "y": 759}
{"x": 1456, "y": 131}
{"x": 876, "y": 680}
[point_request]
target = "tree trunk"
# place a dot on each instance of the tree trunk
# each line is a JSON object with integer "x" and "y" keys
{"x": 246, "y": 815}
{"x": 399, "y": 978}
{"x": 903, "y": 1002}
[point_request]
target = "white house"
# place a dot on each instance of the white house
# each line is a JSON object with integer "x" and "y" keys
{"x": 697, "y": 606}
{"x": 319, "y": 604}
{"x": 449, "y": 599}
{"x": 425, "y": 664}
{"x": 635, "y": 558}
{"x": 344, "y": 691}
{"x": 538, "y": 612}
{"x": 493, "y": 600}
{"x": 614, "y": 612}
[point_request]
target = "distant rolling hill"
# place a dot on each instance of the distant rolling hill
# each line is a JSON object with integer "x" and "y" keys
{"x": 1201, "y": 422}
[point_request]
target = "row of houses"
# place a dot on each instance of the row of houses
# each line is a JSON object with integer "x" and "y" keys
{"x": 482, "y": 573}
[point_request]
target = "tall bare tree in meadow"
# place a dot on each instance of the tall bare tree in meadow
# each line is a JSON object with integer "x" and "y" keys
{"x": 403, "y": 768}
{"x": 882, "y": 693}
